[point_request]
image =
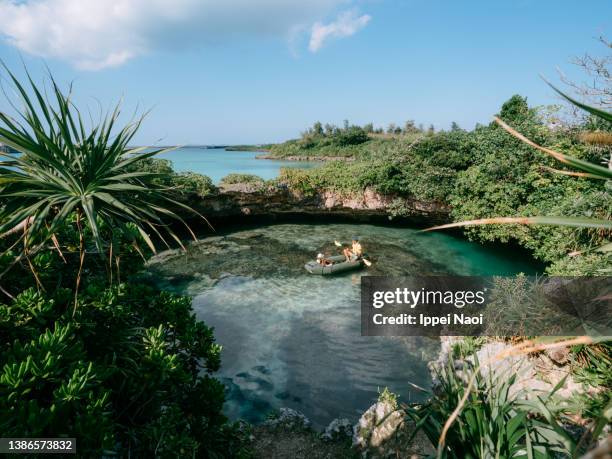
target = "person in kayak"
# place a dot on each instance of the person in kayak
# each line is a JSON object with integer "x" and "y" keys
{"x": 355, "y": 252}
{"x": 322, "y": 260}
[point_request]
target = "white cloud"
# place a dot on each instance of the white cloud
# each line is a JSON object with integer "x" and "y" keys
{"x": 94, "y": 34}
{"x": 347, "y": 24}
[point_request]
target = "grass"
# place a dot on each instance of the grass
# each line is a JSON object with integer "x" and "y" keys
{"x": 593, "y": 365}
{"x": 475, "y": 414}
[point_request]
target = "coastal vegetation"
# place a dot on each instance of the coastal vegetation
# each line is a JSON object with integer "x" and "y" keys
{"x": 486, "y": 173}
{"x": 349, "y": 141}
{"x": 480, "y": 411}
{"x": 232, "y": 179}
{"x": 261, "y": 147}
{"x": 175, "y": 183}
{"x": 88, "y": 350}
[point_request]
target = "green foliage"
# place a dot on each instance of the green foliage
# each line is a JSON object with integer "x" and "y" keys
{"x": 592, "y": 203}
{"x": 66, "y": 168}
{"x": 131, "y": 368}
{"x": 592, "y": 365}
{"x": 386, "y": 396}
{"x": 467, "y": 345}
{"x": 334, "y": 142}
{"x": 127, "y": 369}
{"x": 174, "y": 182}
{"x": 241, "y": 178}
{"x": 391, "y": 177}
{"x": 333, "y": 135}
{"x": 495, "y": 421}
{"x": 316, "y": 149}
{"x": 481, "y": 174}
{"x": 516, "y": 110}
{"x": 191, "y": 182}
{"x": 589, "y": 405}
{"x": 338, "y": 176}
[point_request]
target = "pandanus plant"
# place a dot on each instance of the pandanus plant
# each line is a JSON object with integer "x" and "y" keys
{"x": 69, "y": 172}
{"x": 581, "y": 168}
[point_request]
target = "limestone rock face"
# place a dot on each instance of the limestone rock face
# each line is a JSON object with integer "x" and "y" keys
{"x": 376, "y": 425}
{"x": 248, "y": 200}
{"x": 289, "y": 419}
{"x": 383, "y": 431}
{"x": 534, "y": 375}
{"x": 338, "y": 429}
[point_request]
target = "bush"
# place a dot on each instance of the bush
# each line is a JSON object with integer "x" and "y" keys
{"x": 241, "y": 178}
{"x": 183, "y": 182}
{"x": 349, "y": 141}
{"x": 190, "y": 182}
{"x": 123, "y": 367}
{"x": 354, "y": 135}
{"x": 484, "y": 173}
{"x": 130, "y": 371}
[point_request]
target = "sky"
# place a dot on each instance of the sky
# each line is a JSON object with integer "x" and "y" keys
{"x": 258, "y": 71}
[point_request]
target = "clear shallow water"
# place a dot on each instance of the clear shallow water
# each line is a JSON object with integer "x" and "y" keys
{"x": 291, "y": 339}
{"x": 217, "y": 162}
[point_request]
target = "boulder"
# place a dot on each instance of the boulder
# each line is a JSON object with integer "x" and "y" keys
{"x": 384, "y": 432}
{"x": 288, "y": 419}
{"x": 338, "y": 429}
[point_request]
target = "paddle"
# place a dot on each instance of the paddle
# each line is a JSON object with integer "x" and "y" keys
{"x": 368, "y": 263}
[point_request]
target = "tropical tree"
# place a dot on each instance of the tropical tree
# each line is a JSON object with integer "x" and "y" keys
{"x": 69, "y": 173}
{"x": 581, "y": 168}
{"x": 317, "y": 129}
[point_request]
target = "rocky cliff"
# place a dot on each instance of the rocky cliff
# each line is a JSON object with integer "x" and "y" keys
{"x": 255, "y": 202}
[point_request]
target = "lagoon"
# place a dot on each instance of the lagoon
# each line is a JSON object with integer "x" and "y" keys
{"x": 218, "y": 162}
{"x": 291, "y": 339}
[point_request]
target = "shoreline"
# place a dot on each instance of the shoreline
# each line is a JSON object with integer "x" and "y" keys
{"x": 242, "y": 202}
{"x": 307, "y": 158}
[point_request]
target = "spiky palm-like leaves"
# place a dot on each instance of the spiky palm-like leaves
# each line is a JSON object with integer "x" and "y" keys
{"x": 68, "y": 170}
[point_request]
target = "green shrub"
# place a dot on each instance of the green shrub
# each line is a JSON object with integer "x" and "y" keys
{"x": 132, "y": 370}
{"x": 241, "y": 178}
{"x": 190, "y": 182}
{"x": 182, "y": 182}
{"x": 123, "y": 367}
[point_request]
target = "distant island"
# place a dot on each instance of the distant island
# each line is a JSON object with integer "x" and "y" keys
{"x": 259, "y": 147}
{"x": 262, "y": 147}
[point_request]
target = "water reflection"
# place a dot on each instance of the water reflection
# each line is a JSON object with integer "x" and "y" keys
{"x": 293, "y": 339}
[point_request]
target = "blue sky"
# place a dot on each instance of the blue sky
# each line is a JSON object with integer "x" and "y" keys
{"x": 254, "y": 71}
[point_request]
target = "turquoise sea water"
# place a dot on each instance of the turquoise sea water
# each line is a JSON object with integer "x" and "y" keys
{"x": 291, "y": 339}
{"x": 217, "y": 162}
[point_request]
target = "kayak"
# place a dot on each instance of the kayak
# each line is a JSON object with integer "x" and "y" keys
{"x": 339, "y": 265}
